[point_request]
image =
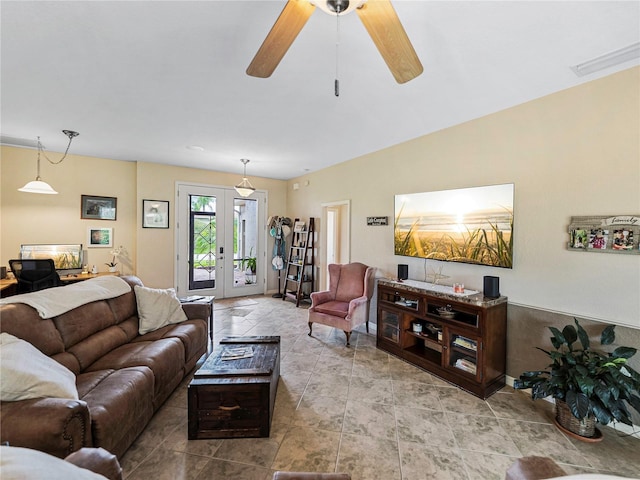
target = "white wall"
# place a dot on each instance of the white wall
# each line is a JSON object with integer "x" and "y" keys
{"x": 573, "y": 153}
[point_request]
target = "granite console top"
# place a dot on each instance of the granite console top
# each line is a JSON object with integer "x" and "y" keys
{"x": 472, "y": 297}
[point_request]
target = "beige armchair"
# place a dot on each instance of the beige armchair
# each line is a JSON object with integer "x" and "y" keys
{"x": 346, "y": 304}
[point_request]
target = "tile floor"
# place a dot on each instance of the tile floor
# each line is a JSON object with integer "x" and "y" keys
{"x": 362, "y": 411}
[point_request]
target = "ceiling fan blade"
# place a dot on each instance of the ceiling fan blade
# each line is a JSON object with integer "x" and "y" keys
{"x": 381, "y": 21}
{"x": 291, "y": 20}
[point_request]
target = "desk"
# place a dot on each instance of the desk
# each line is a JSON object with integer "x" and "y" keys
{"x": 80, "y": 277}
{"x": 8, "y": 286}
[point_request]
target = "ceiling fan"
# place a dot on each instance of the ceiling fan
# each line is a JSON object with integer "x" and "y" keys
{"x": 378, "y": 16}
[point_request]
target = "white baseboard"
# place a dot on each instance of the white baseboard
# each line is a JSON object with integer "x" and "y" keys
{"x": 633, "y": 431}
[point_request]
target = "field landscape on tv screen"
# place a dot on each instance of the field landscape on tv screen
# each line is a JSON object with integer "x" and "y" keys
{"x": 469, "y": 225}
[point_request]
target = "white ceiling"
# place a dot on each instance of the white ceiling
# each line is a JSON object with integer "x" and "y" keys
{"x": 142, "y": 80}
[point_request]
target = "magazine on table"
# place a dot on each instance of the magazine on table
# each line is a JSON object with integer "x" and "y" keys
{"x": 234, "y": 353}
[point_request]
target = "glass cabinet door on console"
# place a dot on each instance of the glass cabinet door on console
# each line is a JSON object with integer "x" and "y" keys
{"x": 389, "y": 324}
{"x": 462, "y": 354}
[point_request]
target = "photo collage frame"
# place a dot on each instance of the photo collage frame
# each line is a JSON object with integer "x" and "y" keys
{"x": 605, "y": 234}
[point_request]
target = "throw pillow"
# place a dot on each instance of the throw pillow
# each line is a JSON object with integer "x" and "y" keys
{"x": 19, "y": 463}
{"x": 26, "y": 372}
{"x": 157, "y": 308}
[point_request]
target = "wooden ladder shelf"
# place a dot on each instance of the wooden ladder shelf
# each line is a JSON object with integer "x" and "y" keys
{"x": 299, "y": 281}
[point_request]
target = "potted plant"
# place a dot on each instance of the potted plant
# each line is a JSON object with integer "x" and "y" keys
{"x": 112, "y": 265}
{"x": 249, "y": 266}
{"x": 588, "y": 386}
{"x": 116, "y": 252}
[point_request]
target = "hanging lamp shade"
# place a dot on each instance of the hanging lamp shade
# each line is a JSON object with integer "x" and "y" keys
{"x": 38, "y": 186}
{"x": 244, "y": 188}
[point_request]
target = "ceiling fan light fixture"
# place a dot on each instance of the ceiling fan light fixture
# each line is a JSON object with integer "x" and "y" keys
{"x": 244, "y": 188}
{"x": 337, "y": 7}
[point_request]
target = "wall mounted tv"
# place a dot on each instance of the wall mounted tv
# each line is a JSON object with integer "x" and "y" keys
{"x": 469, "y": 225}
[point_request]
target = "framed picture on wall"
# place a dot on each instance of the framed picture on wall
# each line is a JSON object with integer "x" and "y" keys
{"x": 100, "y": 237}
{"x": 155, "y": 214}
{"x": 98, "y": 208}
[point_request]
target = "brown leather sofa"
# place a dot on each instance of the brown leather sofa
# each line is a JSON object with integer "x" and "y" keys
{"x": 26, "y": 463}
{"x": 122, "y": 377}
{"x": 98, "y": 460}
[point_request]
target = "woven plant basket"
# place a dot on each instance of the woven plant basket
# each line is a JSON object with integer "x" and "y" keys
{"x": 584, "y": 428}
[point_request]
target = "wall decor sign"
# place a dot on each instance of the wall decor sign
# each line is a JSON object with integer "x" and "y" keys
{"x": 98, "y": 208}
{"x": 605, "y": 234}
{"x": 377, "y": 221}
{"x": 155, "y": 214}
{"x": 100, "y": 237}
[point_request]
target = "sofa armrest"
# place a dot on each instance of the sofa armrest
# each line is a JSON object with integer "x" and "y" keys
{"x": 197, "y": 310}
{"x": 318, "y": 298}
{"x": 53, "y": 425}
{"x": 98, "y": 460}
{"x": 534, "y": 468}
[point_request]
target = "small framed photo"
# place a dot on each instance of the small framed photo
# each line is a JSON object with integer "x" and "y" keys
{"x": 100, "y": 237}
{"x": 155, "y": 214}
{"x": 98, "y": 208}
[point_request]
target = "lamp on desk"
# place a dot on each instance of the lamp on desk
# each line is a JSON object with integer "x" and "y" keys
{"x": 37, "y": 185}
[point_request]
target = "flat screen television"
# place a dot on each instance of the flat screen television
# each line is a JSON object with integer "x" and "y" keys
{"x": 67, "y": 258}
{"x": 469, "y": 225}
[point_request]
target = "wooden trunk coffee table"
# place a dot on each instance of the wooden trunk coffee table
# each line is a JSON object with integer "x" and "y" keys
{"x": 235, "y": 398}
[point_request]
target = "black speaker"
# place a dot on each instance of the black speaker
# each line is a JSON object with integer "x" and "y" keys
{"x": 491, "y": 287}
{"x": 403, "y": 271}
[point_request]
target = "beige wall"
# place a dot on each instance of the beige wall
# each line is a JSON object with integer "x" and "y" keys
{"x": 572, "y": 153}
{"x": 29, "y": 218}
{"x": 158, "y": 182}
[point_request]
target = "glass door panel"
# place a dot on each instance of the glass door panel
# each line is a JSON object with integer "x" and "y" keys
{"x": 202, "y": 244}
{"x": 220, "y": 242}
{"x": 245, "y": 241}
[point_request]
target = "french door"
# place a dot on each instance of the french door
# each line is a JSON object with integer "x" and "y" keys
{"x": 220, "y": 242}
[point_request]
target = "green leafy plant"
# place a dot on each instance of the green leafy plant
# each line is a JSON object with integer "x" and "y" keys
{"x": 589, "y": 381}
{"x": 249, "y": 262}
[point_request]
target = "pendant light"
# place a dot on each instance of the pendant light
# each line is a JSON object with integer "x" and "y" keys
{"x": 244, "y": 188}
{"x": 37, "y": 185}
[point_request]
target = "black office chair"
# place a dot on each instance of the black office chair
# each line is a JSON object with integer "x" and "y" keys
{"x": 34, "y": 274}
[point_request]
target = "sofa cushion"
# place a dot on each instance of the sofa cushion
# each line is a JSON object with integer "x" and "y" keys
{"x": 73, "y": 325}
{"x": 157, "y": 308}
{"x": 165, "y": 358}
{"x": 24, "y": 463}
{"x": 25, "y": 372}
{"x": 334, "y": 308}
{"x": 23, "y": 321}
{"x": 120, "y": 406}
{"x": 97, "y": 345}
{"x": 192, "y": 334}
